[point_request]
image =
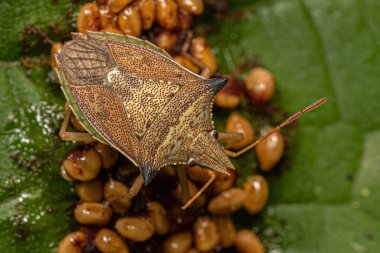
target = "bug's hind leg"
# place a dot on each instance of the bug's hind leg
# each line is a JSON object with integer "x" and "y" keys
{"x": 72, "y": 136}
{"x": 204, "y": 187}
{"x": 206, "y": 71}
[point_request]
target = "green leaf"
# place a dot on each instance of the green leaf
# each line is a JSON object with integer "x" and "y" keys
{"x": 326, "y": 200}
{"x": 16, "y": 15}
{"x": 34, "y": 200}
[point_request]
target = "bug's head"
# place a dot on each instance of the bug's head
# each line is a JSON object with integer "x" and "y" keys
{"x": 206, "y": 151}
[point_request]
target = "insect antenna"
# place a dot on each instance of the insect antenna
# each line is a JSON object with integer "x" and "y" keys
{"x": 283, "y": 124}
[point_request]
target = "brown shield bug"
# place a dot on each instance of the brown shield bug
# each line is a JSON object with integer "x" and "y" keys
{"x": 130, "y": 94}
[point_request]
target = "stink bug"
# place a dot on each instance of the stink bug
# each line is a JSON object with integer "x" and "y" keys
{"x": 130, "y": 94}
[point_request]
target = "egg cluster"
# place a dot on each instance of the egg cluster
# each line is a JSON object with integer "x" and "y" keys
{"x": 154, "y": 218}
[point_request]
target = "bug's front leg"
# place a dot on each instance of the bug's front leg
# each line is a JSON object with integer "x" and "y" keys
{"x": 230, "y": 139}
{"x": 72, "y": 136}
{"x": 204, "y": 187}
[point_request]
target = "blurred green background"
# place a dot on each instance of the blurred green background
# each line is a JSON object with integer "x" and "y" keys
{"x": 327, "y": 196}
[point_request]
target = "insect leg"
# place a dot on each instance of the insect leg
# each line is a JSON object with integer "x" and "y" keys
{"x": 204, "y": 187}
{"x": 277, "y": 128}
{"x": 206, "y": 72}
{"x": 136, "y": 186}
{"x": 72, "y": 136}
{"x": 230, "y": 139}
{"x": 133, "y": 191}
{"x": 181, "y": 171}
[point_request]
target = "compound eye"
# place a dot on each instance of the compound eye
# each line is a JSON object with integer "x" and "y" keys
{"x": 191, "y": 162}
{"x": 215, "y": 134}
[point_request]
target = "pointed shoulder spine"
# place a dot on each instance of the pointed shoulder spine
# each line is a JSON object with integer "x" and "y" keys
{"x": 216, "y": 84}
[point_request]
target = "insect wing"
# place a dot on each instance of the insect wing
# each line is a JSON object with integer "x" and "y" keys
{"x": 85, "y": 65}
{"x": 106, "y": 113}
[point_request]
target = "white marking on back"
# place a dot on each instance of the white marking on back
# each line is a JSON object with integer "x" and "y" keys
{"x": 112, "y": 74}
